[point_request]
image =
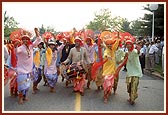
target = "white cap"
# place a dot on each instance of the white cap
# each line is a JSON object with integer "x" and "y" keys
{"x": 51, "y": 41}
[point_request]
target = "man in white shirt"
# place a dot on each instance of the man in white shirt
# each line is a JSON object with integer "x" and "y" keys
{"x": 152, "y": 51}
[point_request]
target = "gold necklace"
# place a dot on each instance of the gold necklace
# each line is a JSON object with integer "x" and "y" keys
{"x": 28, "y": 51}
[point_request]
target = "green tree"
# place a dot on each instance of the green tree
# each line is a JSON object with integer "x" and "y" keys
{"x": 9, "y": 24}
{"x": 138, "y": 28}
{"x": 158, "y": 20}
{"x": 117, "y": 23}
{"x": 122, "y": 24}
{"x": 102, "y": 20}
{"x": 42, "y": 30}
{"x": 125, "y": 25}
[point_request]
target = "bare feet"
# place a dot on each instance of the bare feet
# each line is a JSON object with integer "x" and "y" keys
{"x": 20, "y": 101}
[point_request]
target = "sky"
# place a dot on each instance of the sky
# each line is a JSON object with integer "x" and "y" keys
{"x": 65, "y": 16}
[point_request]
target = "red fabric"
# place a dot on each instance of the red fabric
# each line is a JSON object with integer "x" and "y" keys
{"x": 79, "y": 84}
{"x": 17, "y": 41}
{"x": 16, "y": 34}
{"x": 66, "y": 33}
{"x": 133, "y": 39}
{"x": 94, "y": 69}
{"x": 117, "y": 35}
{"x": 120, "y": 66}
{"x": 13, "y": 82}
{"x": 108, "y": 83}
{"x": 29, "y": 42}
{"x": 123, "y": 36}
{"x": 47, "y": 35}
{"x": 105, "y": 35}
{"x": 13, "y": 79}
{"x": 11, "y": 73}
{"x": 81, "y": 33}
{"x": 89, "y": 33}
{"x": 19, "y": 33}
{"x": 109, "y": 41}
{"x": 131, "y": 43}
{"x": 97, "y": 65}
{"x": 89, "y": 38}
{"x": 120, "y": 43}
{"x": 127, "y": 34}
{"x": 9, "y": 46}
{"x": 100, "y": 49}
{"x": 13, "y": 58}
{"x": 79, "y": 40}
{"x": 67, "y": 38}
{"x": 58, "y": 37}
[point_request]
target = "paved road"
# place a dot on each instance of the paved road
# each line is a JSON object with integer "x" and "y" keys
{"x": 151, "y": 98}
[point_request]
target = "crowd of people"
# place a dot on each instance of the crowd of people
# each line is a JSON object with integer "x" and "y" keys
{"x": 77, "y": 58}
{"x": 150, "y": 53}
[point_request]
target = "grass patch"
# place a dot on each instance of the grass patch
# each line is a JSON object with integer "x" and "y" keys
{"x": 158, "y": 67}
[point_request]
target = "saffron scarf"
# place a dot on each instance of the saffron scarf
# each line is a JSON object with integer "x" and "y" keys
{"x": 49, "y": 56}
{"x": 36, "y": 58}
